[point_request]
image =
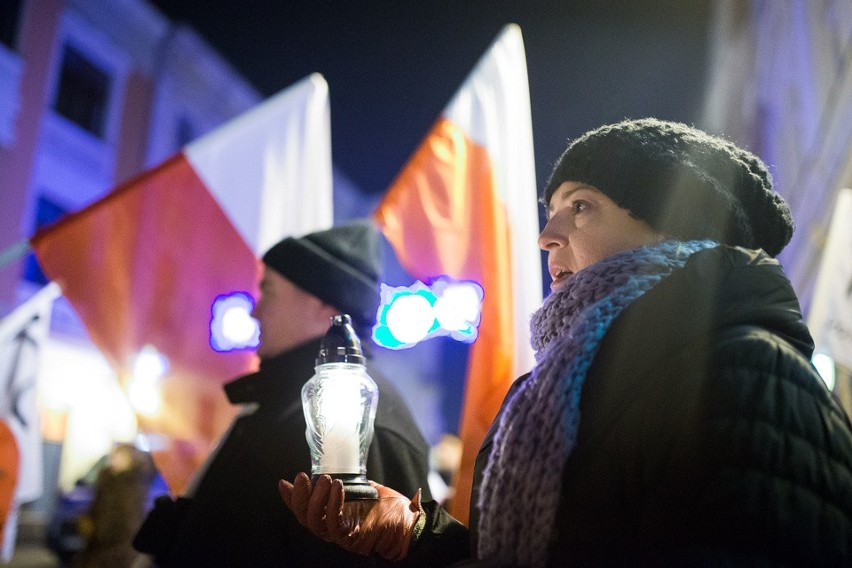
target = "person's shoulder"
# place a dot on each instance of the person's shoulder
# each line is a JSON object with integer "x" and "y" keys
{"x": 724, "y": 259}
{"x": 757, "y": 375}
{"x": 755, "y": 348}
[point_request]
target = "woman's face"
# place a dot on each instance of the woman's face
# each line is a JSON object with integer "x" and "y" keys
{"x": 585, "y": 226}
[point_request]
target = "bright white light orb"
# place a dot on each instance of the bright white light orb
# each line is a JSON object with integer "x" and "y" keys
{"x": 825, "y": 366}
{"x": 410, "y": 318}
{"x": 238, "y": 326}
{"x": 231, "y": 324}
{"x": 458, "y": 307}
{"x": 150, "y": 363}
{"x": 143, "y": 389}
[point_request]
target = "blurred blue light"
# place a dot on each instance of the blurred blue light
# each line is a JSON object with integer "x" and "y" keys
{"x": 231, "y": 326}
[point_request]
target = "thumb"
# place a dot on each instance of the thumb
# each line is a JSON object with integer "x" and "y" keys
{"x": 414, "y": 504}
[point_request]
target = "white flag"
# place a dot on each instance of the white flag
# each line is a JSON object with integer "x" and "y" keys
{"x": 270, "y": 168}
{"x": 465, "y": 206}
{"x": 830, "y": 318}
{"x": 22, "y": 333}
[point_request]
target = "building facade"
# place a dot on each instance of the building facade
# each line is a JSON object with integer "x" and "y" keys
{"x": 92, "y": 93}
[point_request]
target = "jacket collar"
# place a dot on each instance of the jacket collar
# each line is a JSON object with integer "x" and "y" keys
{"x": 279, "y": 378}
{"x": 718, "y": 289}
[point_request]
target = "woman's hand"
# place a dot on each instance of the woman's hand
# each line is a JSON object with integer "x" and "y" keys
{"x": 383, "y": 526}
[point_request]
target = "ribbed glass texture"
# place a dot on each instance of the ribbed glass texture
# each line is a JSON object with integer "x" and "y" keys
{"x": 339, "y": 402}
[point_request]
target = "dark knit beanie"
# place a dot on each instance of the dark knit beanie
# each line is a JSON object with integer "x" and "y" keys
{"x": 340, "y": 266}
{"x": 682, "y": 181}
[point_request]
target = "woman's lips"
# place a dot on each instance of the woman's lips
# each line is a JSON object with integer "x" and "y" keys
{"x": 559, "y": 278}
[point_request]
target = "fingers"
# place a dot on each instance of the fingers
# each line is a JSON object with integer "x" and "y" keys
{"x": 364, "y": 527}
{"x": 334, "y": 523}
{"x": 316, "y": 506}
{"x": 300, "y": 497}
{"x": 285, "y": 489}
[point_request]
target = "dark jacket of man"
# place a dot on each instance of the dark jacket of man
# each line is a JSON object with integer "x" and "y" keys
{"x": 236, "y": 517}
{"x": 706, "y": 438}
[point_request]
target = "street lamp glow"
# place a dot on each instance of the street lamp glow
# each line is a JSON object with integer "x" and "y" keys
{"x": 150, "y": 363}
{"x": 143, "y": 390}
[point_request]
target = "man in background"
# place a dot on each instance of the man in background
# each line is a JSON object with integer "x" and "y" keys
{"x": 232, "y": 514}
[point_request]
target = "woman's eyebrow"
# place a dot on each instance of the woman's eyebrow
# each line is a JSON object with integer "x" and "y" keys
{"x": 564, "y": 194}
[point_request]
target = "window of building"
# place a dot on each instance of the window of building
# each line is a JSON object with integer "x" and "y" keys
{"x": 9, "y": 12}
{"x": 83, "y": 93}
{"x": 47, "y": 212}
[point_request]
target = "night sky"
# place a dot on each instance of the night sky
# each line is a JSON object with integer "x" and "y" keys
{"x": 392, "y": 66}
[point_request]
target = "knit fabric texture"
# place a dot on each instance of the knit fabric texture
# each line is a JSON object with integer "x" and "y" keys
{"x": 538, "y": 428}
{"x": 684, "y": 182}
{"x": 340, "y": 266}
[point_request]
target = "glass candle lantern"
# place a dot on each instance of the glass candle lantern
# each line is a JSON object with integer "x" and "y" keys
{"x": 340, "y": 402}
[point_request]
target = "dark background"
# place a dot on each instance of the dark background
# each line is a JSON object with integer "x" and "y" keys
{"x": 392, "y": 66}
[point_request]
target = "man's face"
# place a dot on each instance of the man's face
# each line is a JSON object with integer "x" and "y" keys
{"x": 285, "y": 313}
{"x": 585, "y": 226}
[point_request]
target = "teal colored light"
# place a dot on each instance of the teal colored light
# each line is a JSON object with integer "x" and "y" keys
{"x": 403, "y": 321}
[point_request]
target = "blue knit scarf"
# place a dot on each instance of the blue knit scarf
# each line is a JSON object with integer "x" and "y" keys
{"x": 538, "y": 427}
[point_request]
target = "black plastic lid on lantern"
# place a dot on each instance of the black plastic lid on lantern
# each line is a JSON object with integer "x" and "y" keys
{"x": 340, "y": 344}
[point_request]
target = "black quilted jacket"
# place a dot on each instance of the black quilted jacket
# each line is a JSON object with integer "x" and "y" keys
{"x": 705, "y": 439}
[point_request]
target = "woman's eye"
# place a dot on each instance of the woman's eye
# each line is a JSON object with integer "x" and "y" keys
{"x": 579, "y": 206}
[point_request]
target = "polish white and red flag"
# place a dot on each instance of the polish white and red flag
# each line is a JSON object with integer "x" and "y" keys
{"x": 465, "y": 206}
{"x": 143, "y": 265}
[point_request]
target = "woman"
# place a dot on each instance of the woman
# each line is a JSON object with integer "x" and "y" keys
{"x": 673, "y": 417}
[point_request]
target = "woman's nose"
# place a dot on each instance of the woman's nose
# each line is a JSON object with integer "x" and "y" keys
{"x": 550, "y": 237}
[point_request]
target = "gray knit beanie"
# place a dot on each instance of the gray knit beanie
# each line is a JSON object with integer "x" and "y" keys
{"x": 340, "y": 266}
{"x": 682, "y": 181}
